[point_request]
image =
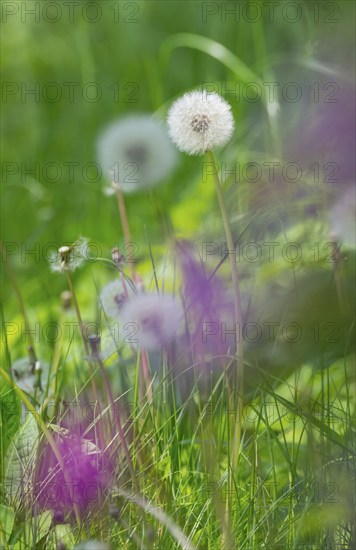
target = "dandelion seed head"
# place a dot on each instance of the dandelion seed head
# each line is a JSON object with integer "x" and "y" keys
{"x": 113, "y": 297}
{"x": 135, "y": 153}
{"x": 199, "y": 121}
{"x": 69, "y": 258}
{"x": 156, "y": 318}
{"x": 200, "y": 124}
{"x": 63, "y": 250}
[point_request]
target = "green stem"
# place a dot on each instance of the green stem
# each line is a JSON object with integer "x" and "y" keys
{"x": 86, "y": 345}
{"x": 125, "y": 226}
{"x": 238, "y": 373}
{"x": 77, "y": 312}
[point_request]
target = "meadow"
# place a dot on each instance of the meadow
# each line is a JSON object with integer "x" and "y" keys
{"x": 177, "y": 275}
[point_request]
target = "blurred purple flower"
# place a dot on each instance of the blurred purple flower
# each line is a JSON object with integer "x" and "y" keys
{"x": 86, "y": 477}
{"x": 208, "y": 305}
{"x": 325, "y": 138}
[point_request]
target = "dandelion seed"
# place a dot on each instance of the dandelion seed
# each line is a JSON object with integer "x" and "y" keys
{"x": 155, "y": 317}
{"x": 69, "y": 258}
{"x": 199, "y": 121}
{"x": 113, "y": 297}
{"x": 135, "y": 153}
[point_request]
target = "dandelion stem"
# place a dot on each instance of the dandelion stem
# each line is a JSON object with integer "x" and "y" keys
{"x": 77, "y": 312}
{"x": 146, "y": 374}
{"x": 238, "y": 374}
{"x": 82, "y": 332}
{"x": 124, "y": 223}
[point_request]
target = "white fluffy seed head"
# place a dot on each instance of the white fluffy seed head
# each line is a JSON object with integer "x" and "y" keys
{"x": 69, "y": 258}
{"x": 199, "y": 121}
{"x": 135, "y": 153}
{"x": 152, "y": 320}
{"x": 113, "y": 297}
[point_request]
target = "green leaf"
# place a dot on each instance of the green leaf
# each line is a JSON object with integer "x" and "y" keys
{"x": 19, "y": 458}
{"x": 7, "y": 518}
{"x": 60, "y": 534}
{"x": 212, "y": 48}
{"x": 34, "y": 530}
{"x": 10, "y": 412}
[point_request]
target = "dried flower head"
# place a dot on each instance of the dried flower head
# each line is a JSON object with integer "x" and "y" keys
{"x": 200, "y": 121}
{"x": 69, "y": 258}
{"x": 135, "y": 153}
{"x": 118, "y": 258}
{"x": 113, "y": 296}
{"x": 151, "y": 320}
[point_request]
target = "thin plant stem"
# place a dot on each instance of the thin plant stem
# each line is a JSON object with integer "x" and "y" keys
{"x": 117, "y": 420}
{"x": 82, "y": 332}
{"x": 146, "y": 375}
{"x": 238, "y": 373}
{"x": 77, "y": 312}
{"x": 124, "y": 224}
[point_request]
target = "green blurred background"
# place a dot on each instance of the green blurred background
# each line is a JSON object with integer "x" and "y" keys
{"x": 137, "y": 50}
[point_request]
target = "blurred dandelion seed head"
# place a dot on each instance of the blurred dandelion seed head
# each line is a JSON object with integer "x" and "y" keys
{"x": 135, "y": 153}
{"x": 199, "y": 121}
{"x": 156, "y": 318}
{"x": 113, "y": 296}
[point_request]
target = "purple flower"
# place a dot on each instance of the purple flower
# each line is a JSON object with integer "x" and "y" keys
{"x": 209, "y": 306}
{"x": 85, "y": 476}
{"x": 324, "y": 141}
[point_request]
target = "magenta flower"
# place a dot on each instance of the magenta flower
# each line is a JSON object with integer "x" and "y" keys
{"x": 208, "y": 305}
{"x": 85, "y": 478}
